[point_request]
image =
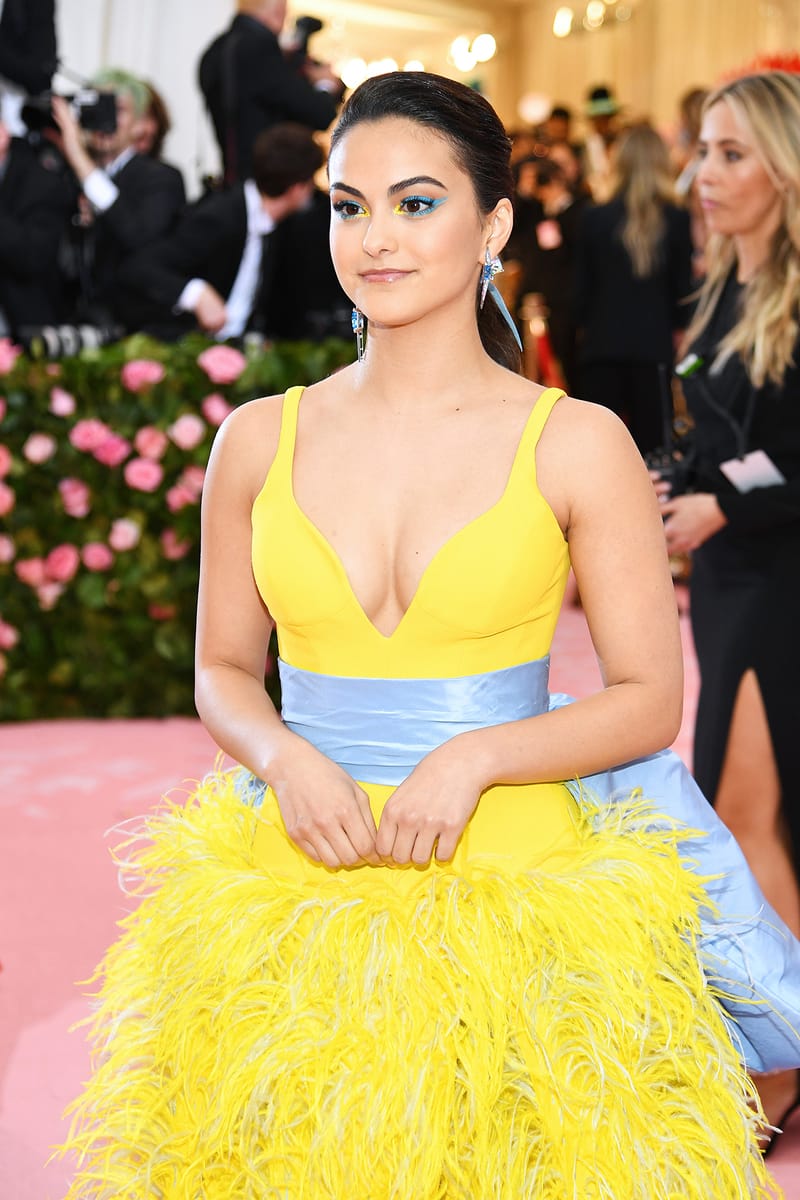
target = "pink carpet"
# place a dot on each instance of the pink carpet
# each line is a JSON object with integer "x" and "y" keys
{"x": 62, "y": 786}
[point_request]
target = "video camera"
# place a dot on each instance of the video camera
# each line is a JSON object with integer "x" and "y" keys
{"x": 94, "y": 111}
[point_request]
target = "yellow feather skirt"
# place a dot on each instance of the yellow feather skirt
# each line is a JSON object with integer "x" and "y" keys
{"x": 267, "y": 1029}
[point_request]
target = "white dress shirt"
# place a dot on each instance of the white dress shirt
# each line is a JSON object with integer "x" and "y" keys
{"x": 239, "y": 303}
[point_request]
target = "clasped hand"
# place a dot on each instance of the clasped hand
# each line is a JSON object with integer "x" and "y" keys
{"x": 689, "y": 520}
{"x": 328, "y": 816}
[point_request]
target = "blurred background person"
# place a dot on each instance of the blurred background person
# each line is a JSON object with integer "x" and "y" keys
{"x": 685, "y": 163}
{"x": 302, "y": 297}
{"x": 28, "y": 56}
{"x": 601, "y": 112}
{"x": 742, "y": 524}
{"x": 125, "y": 199}
{"x": 249, "y": 84}
{"x": 34, "y": 208}
{"x": 546, "y": 251}
{"x": 153, "y": 127}
{"x": 632, "y": 281}
{"x": 212, "y": 271}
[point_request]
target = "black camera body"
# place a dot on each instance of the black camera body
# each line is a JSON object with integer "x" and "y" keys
{"x": 674, "y": 467}
{"x": 296, "y": 46}
{"x": 95, "y": 111}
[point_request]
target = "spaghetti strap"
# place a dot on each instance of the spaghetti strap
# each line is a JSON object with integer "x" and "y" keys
{"x": 284, "y": 455}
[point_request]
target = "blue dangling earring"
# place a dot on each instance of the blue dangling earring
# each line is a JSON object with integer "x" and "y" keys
{"x": 491, "y": 267}
{"x": 357, "y": 322}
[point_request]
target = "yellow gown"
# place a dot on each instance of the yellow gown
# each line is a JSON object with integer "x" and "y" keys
{"x": 527, "y": 1021}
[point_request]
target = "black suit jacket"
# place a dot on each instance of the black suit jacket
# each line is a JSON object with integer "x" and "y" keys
{"x": 207, "y": 243}
{"x": 249, "y": 86}
{"x": 28, "y": 43}
{"x": 151, "y": 197}
{"x": 34, "y": 209}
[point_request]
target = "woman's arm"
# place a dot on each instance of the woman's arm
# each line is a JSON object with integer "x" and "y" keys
{"x": 325, "y": 812}
{"x": 598, "y": 487}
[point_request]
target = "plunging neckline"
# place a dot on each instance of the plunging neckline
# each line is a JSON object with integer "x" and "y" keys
{"x": 338, "y": 562}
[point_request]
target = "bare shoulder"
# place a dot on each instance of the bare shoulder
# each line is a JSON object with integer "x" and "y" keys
{"x": 247, "y": 441}
{"x": 585, "y": 458}
{"x": 583, "y": 429}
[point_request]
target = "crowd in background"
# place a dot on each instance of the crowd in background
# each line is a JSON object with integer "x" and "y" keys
{"x": 96, "y": 236}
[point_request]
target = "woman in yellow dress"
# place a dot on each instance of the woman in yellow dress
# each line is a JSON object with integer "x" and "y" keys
{"x": 393, "y": 955}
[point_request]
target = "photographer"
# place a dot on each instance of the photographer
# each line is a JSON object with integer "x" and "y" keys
{"x": 126, "y": 201}
{"x": 34, "y": 204}
{"x": 27, "y": 55}
{"x": 249, "y": 85}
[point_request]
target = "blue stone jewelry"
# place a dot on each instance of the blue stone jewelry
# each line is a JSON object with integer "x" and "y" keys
{"x": 357, "y": 322}
{"x": 491, "y": 267}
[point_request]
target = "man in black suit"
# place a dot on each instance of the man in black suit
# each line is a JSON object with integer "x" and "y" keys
{"x": 27, "y": 54}
{"x": 34, "y": 205}
{"x": 210, "y": 272}
{"x": 127, "y": 200}
{"x": 249, "y": 85}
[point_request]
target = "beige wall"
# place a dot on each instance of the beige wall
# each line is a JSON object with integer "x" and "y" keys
{"x": 667, "y": 47}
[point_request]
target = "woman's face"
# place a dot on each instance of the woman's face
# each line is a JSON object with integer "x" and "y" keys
{"x": 407, "y": 237}
{"x": 736, "y": 191}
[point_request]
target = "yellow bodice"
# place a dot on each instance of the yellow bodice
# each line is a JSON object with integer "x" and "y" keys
{"x": 488, "y": 599}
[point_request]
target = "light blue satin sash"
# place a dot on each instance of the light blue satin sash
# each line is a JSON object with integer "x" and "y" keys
{"x": 379, "y": 729}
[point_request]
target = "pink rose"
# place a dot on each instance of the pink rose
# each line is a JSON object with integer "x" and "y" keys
{"x": 215, "y": 408}
{"x": 124, "y": 534}
{"x": 39, "y": 447}
{"x": 161, "y": 612}
{"x": 3, "y": 407}
{"x": 62, "y": 404}
{"x": 31, "y": 571}
{"x": 222, "y": 364}
{"x": 9, "y": 636}
{"x": 192, "y": 478}
{"x": 179, "y": 497}
{"x": 113, "y": 451}
{"x": 53, "y": 370}
{"x": 7, "y": 548}
{"x": 141, "y": 374}
{"x": 188, "y": 431}
{"x": 48, "y": 595}
{"x": 75, "y": 496}
{"x": 172, "y": 548}
{"x": 61, "y": 563}
{"x": 143, "y": 474}
{"x": 151, "y": 442}
{"x": 5, "y": 460}
{"x": 96, "y": 556}
{"x": 9, "y": 353}
{"x": 7, "y": 499}
{"x": 89, "y": 434}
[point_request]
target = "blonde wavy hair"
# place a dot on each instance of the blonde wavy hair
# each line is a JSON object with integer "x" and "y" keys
{"x": 643, "y": 179}
{"x": 765, "y": 336}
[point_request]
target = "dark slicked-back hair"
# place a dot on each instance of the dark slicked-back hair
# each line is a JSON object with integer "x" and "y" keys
{"x": 284, "y": 155}
{"x": 478, "y": 141}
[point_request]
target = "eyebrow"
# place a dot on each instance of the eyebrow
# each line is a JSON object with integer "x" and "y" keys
{"x": 727, "y": 141}
{"x": 402, "y": 186}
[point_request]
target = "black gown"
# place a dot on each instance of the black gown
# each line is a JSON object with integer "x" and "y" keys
{"x": 746, "y": 578}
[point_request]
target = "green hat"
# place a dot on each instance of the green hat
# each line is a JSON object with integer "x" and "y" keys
{"x": 601, "y": 103}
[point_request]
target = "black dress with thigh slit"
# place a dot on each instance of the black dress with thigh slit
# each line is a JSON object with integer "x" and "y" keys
{"x": 745, "y": 587}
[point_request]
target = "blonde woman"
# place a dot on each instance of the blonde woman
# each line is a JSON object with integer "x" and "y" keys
{"x": 633, "y": 274}
{"x": 743, "y": 521}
